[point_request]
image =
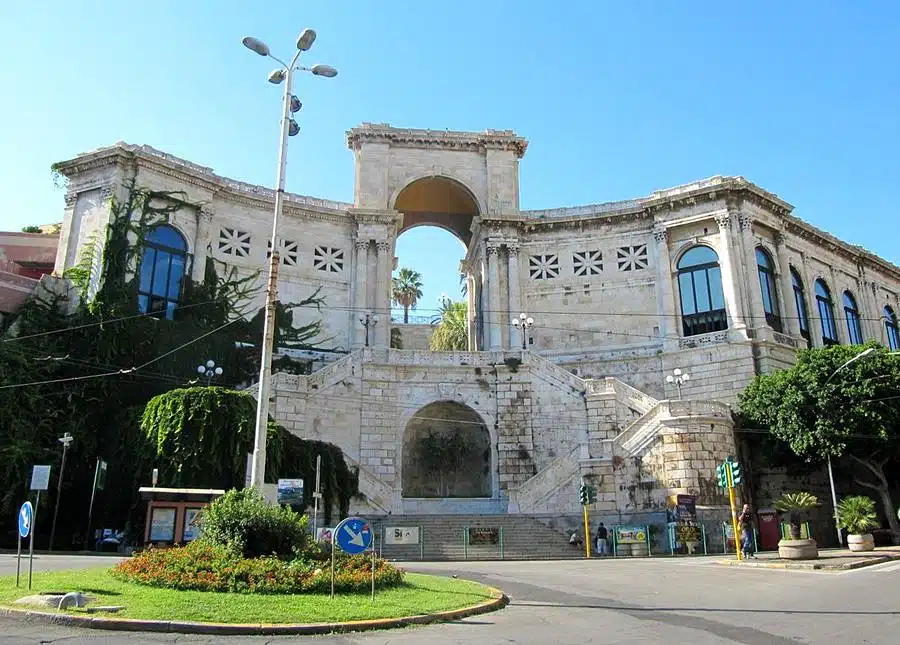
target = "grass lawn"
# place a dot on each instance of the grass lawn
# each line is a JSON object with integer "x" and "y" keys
{"x": 421, "y": 594}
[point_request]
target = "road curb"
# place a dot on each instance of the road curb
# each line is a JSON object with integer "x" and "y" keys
{"x": 810, "y": 566}
{"x": 498, "y": 601}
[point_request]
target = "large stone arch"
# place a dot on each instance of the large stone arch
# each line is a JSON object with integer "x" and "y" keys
{"x": 446, "y": 453}
{"x": 437, "y": 200}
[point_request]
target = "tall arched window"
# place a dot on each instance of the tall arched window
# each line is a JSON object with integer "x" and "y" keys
{"x": 826, "y": 313}
{"x": 162, "y": 271}
{"x": 800, "y": 304}
{"x": 766, "y": 269}
{"x": 851, "y": 313}
{"x": 702, "y": 298}
{"x": 890, "y": 326}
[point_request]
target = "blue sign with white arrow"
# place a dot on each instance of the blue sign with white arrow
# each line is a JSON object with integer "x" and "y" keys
{"x": 353, "y": 535}
{"x": 26, "y": 519}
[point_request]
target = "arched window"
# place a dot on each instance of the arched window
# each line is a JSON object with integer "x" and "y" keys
{"x": 162, "y": 270}
{"x": 800, "y": 304}
{"x": 826, "y": 313}
{"x": 766, "y": 270}
{"x": 890, "y": 326}
{"x": 702, "y": 298}
{"x": 851, "y": 313}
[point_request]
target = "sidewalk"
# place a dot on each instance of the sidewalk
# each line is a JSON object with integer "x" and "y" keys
{"x": 828, "y": 560}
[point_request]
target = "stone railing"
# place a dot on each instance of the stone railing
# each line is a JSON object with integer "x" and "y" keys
{"x": 553, "y": 370}
{"x": 585, "y": 211}
{"x": 379, "y": 494}
{"x": 705, "y": 409}
{"x": 703, "y": 340}
{"x": 328, "y": 375}
{"x": 635, "y": 399}
{"x": 784, "y": 339}
{"x": 530, "y": 494}
{"x": 642, "y": 430}
{"x": 426, "y": 358}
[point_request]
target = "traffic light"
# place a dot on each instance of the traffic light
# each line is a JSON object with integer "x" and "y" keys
{"x": 736, "y": 476}
{"x": 592, "y": 494}
{"x": 721, "y": 476}
{"x": 583, "y": 495}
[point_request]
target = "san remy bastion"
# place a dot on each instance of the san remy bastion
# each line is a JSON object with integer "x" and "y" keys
{"x": 715, "y": 277}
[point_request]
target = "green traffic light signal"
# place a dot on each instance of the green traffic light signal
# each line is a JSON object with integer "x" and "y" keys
{"x": 583, "y": 495}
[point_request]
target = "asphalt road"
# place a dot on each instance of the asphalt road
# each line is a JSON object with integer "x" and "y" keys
{"x": 606, "y": 601}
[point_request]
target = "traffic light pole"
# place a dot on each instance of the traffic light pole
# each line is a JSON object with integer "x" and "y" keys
{"x": 587, "y": 534}
{"x": 734, "y": 523}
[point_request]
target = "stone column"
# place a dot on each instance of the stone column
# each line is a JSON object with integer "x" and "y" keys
{"x": 733, "y": 307}
{"x": 360, "y": 291}
{"x": 382, "y": 295}
{"x": 665, "y": 303}
{"x": 201, "y": 244}
{"x": 493, "y": 289}
{"x": 869, "y": 311}
{"x": 470, "y": 309}
{"x": 789, "y": 314}
{"x": 837, "y": 302}
{"x": 515, "y": 300}
{"x": 756, "y": 315}
{"x": 815, "y": 322}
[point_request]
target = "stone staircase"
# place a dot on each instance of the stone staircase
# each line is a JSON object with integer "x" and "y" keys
{"x": 442, "y": 537}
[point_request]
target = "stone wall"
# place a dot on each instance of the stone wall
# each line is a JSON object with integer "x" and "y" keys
{"x": 415, "y": 336}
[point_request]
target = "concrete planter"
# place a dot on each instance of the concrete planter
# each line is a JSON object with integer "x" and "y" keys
{"x": 864, "y": 542}
{"x": 798, "y": 549}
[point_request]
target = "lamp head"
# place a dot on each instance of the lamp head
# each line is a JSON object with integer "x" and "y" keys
{"x": 670, "y": 379}
{"x": 323, "y": 70}
{"x": 306, "y": 40}
{"x": 219, "y": 371}
{"x": 276, "y": 76}
{"x": 686, "y": 378}
{"x": 254, "y": 44}
{"x": 374, "y": 318}
{"x": 676, "y": 372}
{"x": 515, "y": 322}
{"x": 201, "y": 369}
{"x": 293, "y": 128}
{"x": 210, "y": 364}
{"x": 295, "y": 104}
{"x": 529, "y": 321}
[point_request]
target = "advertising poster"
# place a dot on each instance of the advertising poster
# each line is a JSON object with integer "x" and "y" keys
{"x": 162, "y": 525}
{"x": 191, "y": 524}
{"x": 401, "y": 535}
{"x": 631, "y": 535}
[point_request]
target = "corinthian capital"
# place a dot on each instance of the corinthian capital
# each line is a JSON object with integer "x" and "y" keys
{"x": 723, "y": 220}
{"x": 492, "y": 247}
{"x": 661, "y": 235}
{"x": 383, "y": 246}
{"x": 362, "y": 245}
{"x": 745, "y": 221}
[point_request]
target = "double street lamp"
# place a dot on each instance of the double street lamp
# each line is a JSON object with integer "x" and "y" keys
{"x": 369, "y": 320}
{"x": 679, "y": 378}
{"x": 523, "y": 323}
{"x": 290, "y": 105}
{"x": 209, "y": 370}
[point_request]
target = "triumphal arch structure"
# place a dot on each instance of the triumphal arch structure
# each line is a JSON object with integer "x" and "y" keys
{"x": 716, "y": 278}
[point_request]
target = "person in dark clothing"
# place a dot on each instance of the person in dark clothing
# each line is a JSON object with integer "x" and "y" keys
{"x": 602, "y": 537}
{"x": 745, "y": 523}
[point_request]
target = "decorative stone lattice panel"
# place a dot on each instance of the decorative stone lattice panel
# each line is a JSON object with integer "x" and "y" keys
{"x": 632, "y": 258}
{"x": 329, "y": 259}
{"x": 586, "y": 263}
{"x": 234, "y": 242}
{"x": 289, "y": 254}
{"x": 543, "y": 267}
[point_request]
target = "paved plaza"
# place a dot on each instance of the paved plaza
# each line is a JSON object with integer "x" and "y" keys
{"x": 660, "y": 600}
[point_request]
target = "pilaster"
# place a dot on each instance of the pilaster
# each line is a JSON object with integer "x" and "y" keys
{"x": 515, "y": 301}
{"x": 360, "y": 291}
{"x": 665, "y": 302}
{"x": 789, "y": 314}
{"x": 202, "y": 243}
{"x": 493, "y": 285}
{"x": 733, "y": 307}
{"x": 384, "y": 264}
{"x": 756, "y": 314}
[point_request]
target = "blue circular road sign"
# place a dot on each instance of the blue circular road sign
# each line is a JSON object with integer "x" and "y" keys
{"x": 353, "y": 535}
{"x": 26, "y": 519}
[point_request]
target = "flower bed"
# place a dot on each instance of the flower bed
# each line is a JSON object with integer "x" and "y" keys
{"x": 202, "y": 566}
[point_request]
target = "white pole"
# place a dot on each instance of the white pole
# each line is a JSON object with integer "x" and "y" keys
{"x": 834, "y": 502}
{"x": 87, "y": 537}
{"x": 316, "y": 495}
{"x": 258, "y": 472}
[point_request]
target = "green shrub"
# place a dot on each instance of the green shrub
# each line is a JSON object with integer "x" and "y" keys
{"x": 202, "y": 566}
{"x": 245, "y": 524}
{"x": 857, "y": 514}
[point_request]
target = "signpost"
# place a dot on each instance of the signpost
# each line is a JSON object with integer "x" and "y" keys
{"x": 730, "y": 475}
{"x": 99, "y": 484}
{"x": 26, "y": 522}
{"x": 353, "y": 535}
{"x": 40, "y": 480}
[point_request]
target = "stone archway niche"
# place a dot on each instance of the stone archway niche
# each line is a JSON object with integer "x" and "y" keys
{"x": 438, "y": 201}
{"x": 446, "y": 453}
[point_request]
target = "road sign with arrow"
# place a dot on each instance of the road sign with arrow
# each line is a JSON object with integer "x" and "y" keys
{"x": 353, "y": 535}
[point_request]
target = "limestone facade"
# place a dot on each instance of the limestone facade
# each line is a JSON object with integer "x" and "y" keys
{"x": 716, "y": 277}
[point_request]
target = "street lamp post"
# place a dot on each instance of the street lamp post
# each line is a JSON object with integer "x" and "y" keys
{"x": 679, "y": 378}
{"x": 369, "y": 320}
{"x": 523, "y": 323}
{"x": 65, "y": 440}
{"x": 289, "y": 128}
{"x": 209, "y": 370}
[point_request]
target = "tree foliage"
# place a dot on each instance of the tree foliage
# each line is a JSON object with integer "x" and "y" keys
{"x": 822, "y": 412}
{"x": 452, "y": 332}
{"x": 406, "y": 289}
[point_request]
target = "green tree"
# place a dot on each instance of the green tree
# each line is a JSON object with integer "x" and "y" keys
{"x": 406, "y": 290}
{"x": 452, "y": 333}
{"x": 31, "y": 229}
{"x": 823, "y": 413}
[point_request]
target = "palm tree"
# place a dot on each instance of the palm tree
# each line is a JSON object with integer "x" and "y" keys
{"x": 406, "y": 290}
{"x": 452, "y": 333}
{"x": 796, "y": 505}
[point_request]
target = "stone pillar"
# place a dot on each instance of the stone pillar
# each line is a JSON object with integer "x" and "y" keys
{"x": 869, "y": 311}
{"x": 756, "y": 314}
{"x": 493, "y": 299}
{"x": 789, "y": 314}
{"x": 360, "y": 292}
{"x": 382, "y": 295}
{"x": 837, "y": 302}
{"x": 815, "y": 322}
{"x": 665, "y": 303}
{"x": 733, "y": 307}
{"x": 202, "y": 241}
{"x": 470, "y": 309}
{"x": 515, "y": 300}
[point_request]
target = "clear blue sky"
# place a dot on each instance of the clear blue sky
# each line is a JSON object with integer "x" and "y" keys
{"x": 617, "y": 99}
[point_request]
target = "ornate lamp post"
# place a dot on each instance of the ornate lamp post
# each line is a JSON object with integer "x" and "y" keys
{"x": 679, "y": 378}
{"x": 369, "y": 320}
{"x": 290, "y": 105}
{"x": 523, "y": 323}
{"x": 209, "y": 370}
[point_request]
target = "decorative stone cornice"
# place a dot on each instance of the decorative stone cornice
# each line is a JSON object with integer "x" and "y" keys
{"x": 443, "y": 139}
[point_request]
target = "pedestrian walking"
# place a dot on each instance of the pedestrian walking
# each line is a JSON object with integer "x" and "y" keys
{"x": 602, "y": 537}
{"x": 745, "y": 523}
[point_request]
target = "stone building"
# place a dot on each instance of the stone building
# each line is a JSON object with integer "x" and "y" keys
{"x": 716, "y": 278}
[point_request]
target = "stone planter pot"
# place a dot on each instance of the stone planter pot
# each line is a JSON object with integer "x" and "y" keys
{"x": 798, "y": 549}
{"x": 864, "y": 542}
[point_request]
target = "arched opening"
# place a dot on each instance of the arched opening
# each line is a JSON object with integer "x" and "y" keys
{"x": 437, "y": 218}
{"x": 825, "y": 306}
{"x": 446, "y": 453}
{"x": 800, "y": 304}
{"x": 700, "y": 286}
{"x": 163, "y": 265}
{"x": 851, "y": 313}
{"x": 766, "y": 270}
